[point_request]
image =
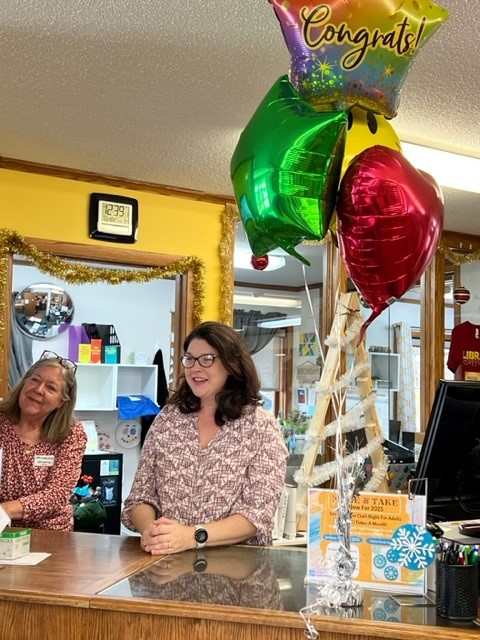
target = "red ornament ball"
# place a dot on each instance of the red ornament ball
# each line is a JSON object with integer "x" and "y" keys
{"x": 259, "y": 263}
{"x": 461, "y": 295}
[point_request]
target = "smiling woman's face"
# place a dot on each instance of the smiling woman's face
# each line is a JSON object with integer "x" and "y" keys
{"x": 205, "y": 382}
{"x": 42, "y": 392}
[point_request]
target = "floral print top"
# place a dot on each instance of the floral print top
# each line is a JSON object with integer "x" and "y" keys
{"x": 41, "y": 476}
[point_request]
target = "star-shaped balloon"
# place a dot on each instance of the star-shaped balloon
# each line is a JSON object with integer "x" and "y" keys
{"x": 346, "y": 52}
{"x": 286, "y": 170}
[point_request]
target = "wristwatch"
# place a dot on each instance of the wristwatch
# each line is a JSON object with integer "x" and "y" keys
{"x": 201, "y": 536}
{"x": 200, "y": 564}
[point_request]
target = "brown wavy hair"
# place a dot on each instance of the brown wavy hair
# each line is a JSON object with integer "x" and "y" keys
{"x": 242, "y": 387}
{"x": 59, "y": 422}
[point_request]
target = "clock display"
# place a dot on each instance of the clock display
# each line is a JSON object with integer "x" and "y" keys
{"x": 113, "y": 218}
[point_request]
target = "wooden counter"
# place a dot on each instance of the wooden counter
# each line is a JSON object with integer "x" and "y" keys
{"x": 96, "y": 587}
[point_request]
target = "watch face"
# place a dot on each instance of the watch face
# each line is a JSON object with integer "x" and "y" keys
{"x": 200, "y": 565}
{"x": 201, "y": 536}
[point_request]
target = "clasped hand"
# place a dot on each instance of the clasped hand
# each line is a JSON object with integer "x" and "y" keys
{"x": 165, "y": 536}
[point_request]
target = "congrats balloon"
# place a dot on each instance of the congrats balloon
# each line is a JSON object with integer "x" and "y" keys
{"x": 390, "y": 219}
{"x": 347, "y": 52}
{"x": 286, "y": 171}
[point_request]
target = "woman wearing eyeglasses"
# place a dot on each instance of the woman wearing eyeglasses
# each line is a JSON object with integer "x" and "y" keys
{"x": 42, "y": 446}
{"x": 213, "y": 464}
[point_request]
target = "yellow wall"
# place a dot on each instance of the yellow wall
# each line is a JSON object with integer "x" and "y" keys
{"x": 57, "y": 209}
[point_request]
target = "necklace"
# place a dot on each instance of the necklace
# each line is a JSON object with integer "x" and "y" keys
{"x": 28, "y": 448}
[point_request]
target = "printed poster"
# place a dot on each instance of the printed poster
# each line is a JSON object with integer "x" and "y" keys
{"x": 381, "y": 533}
{"x": 307, "y": 344}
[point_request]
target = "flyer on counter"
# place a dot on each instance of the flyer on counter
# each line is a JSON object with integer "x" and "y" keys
{"x": 383, "y": 531}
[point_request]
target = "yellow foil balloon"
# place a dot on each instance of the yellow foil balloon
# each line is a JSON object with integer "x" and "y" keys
{"x": 365, "y": 129}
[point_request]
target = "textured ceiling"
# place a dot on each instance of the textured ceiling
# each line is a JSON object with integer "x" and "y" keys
{"x": 160, "y": 91}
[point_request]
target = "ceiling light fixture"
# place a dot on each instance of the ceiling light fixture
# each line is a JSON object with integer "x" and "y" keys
{"x": 280, "y": 323}
{"x": 243, "y": 260}
{"x": 266, "y": 301}
{"x": 449, "y": 169}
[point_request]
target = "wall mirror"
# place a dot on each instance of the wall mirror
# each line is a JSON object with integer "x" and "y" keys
{"x": 43, "y": 310}
{"x": 64, "y": 261}
{"x": 147, "y": 282}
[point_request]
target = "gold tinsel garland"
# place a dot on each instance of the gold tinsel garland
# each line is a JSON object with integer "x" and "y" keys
{"x": 458, "y": 256}
{"x": 78, "y": 273}
{"x": 230, "y": 217}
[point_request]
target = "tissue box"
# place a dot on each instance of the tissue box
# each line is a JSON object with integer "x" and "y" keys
{"x": 14, "y": 543}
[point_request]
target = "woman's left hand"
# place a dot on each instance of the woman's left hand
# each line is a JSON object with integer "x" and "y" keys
{"x": 165, "y": 536}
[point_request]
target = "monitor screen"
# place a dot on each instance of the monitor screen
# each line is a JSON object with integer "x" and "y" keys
{"x": 450, "y": 454}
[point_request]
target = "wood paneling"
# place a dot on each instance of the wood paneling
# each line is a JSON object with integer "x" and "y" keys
{"x": 432, "y": 334}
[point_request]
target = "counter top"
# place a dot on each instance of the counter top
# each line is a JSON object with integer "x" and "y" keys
{"x": 108, "y": 585}
{"x": 80, "y": 565}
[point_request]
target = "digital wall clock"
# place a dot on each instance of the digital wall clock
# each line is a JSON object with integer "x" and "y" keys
{"x": 113, "y": 218}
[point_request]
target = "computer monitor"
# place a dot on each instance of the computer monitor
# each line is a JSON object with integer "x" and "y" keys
{"x": 450, "y": 455}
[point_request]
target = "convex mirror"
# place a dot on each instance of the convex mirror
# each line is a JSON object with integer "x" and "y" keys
{"x": 43, "y": 310}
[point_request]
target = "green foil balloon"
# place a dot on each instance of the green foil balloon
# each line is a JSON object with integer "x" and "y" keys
{"x": 286, "y": 170}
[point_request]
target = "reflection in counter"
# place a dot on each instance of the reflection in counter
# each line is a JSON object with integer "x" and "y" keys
{"x": 264, "y": 578}
{"x": 253, "y": 577}
{"x": 381, "y": 607}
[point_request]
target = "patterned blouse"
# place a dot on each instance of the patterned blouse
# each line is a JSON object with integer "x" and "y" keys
{"x": 44, "y": 491}
{"x": 241, "y": 471}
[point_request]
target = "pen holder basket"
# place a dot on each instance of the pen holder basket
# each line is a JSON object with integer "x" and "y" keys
{"x": 457, "y": 591}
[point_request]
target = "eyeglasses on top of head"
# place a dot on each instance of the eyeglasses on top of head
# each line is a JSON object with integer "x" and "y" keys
{"x": 205, "y": 360}
{"x": 65, "y": 362}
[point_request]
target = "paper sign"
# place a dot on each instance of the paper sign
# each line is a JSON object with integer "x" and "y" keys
{"x": 377, "y": 521}
{"x": 4, "y": 520}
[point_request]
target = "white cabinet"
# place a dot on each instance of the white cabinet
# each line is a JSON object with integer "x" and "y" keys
{"x": 98, "y": 385}
{"x": 384, "y": 370}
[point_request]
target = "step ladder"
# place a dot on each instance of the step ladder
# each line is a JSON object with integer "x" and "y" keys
{"x": 343, "y": 338}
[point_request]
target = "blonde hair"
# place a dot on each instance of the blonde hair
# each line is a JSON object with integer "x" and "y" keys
{"x": 58, "y": 423}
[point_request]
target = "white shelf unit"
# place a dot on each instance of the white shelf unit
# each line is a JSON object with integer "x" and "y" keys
{"x": 137, "y": 380}
{"x": 98, "y": 388}
{"x": 384, "y": 369}
{"x": 100, "y": 384}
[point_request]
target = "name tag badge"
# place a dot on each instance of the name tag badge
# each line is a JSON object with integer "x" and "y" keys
{"x": 44, "y": 461}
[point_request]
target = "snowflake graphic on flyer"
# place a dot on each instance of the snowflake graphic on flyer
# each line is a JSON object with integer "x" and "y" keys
{"x": 412, "y": 547}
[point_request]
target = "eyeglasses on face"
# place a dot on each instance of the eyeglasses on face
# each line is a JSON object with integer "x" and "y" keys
{"x": 205, "y": 360}
{"x": 65, "y": 362}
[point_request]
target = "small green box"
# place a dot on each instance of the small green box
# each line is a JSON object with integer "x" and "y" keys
{"x": 14, "y": 543}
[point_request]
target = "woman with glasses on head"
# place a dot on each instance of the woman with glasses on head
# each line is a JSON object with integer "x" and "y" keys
{"x": 42, "y": 446}
{"x": 214, "y": 461}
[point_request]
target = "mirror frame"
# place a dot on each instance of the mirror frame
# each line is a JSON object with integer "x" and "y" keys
{"x": 188, "y": 273}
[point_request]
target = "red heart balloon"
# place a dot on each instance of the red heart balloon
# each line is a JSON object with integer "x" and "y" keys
{"x": 390, "y": 219}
